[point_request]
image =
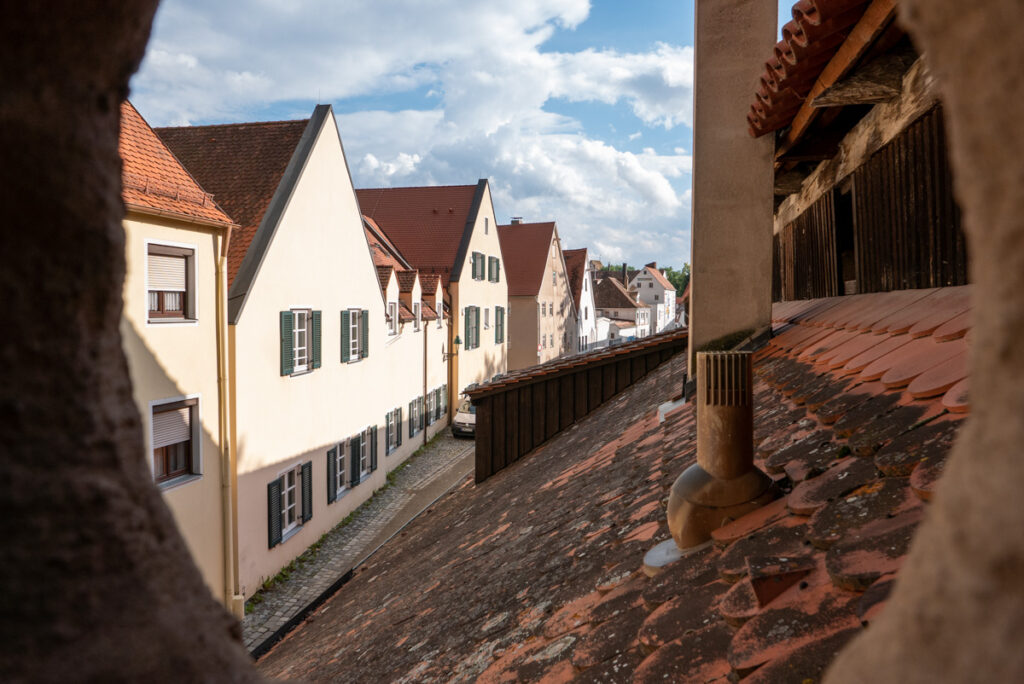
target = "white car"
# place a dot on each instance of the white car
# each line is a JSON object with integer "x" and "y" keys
{"x": 465, "y": 419}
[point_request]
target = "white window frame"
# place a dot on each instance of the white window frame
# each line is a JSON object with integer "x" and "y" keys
{"x": 417, "y": 311}
{"x": 197, "y": 442}
{"x": 291, "y": 528}
{"x": 392, "y": 432}
{"x": 341, "y": 474}
{"x": 364, "y": 451}
{"x": 487, "y": 318}
{"x": 191, "y": 297}
{"x": 307, "y": 332}
{"x": 392, "y": 318}
{"x": 355, "y": 344}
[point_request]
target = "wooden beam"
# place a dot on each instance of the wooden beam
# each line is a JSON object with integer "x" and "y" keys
{"x": 880, "y": 80}
{"x": 877, "y": 17}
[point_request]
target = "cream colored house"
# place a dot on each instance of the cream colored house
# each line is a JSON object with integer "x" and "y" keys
{"x": 544, "y": 325}
{"x": 322, "y": 386}
{"x": 581, "y": 282}
{"x": 652, "y": 288}
{"x": 174, "y": 334}
{"x": 629, "y": 319}
{"x": 449, "y": 232}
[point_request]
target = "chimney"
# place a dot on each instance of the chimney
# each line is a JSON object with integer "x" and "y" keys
{"x": 624, "y": 280}
{"x": 653, "y": 264}
{"x": 723, "y": 484}
{"x": 516, "y": 220}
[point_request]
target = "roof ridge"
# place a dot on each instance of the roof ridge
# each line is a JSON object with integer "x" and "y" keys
{"x": 238, "y": 124}
{"x": 416, "y": 187}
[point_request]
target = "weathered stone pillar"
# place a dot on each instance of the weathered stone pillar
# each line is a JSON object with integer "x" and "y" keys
{"x": 957, "y": 612}
{"x": 731, "y": 242}
{"x": 97, "y": 582}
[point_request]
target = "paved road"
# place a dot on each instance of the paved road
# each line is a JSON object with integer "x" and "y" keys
{"x": 429, "y": 475}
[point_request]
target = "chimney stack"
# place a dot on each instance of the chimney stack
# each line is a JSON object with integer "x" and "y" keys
{"x": 624, "y": 281}
{"x": 723, "y": 484}
{"x": 516, "y": 220}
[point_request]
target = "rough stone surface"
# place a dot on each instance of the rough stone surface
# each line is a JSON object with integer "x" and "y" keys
{"x": 102, "y": 584}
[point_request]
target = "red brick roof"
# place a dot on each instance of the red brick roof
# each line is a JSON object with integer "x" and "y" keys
{"x": 576, "y": 267}
{"x": 426, "y": 224}
{"x": 242, "y": 164}
{"x": 609, "y": 293}
{"x": 524, "y": 249}
{"x": 383, "y": 277}
{"x": 383, "y": 250}
{"x": 153, "y": 180}
{"x": 857, "y": 401}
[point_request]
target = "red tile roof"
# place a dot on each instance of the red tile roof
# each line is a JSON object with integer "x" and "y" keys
{"x": 383, "y": 277}
{"x": 242, "y": 164}
{"x": 406, "y": 280}
{"x": 154, "y": 181}
{"x": 426, "y": 224}
{"x": 524, "y": 249}
{"x": 382, "y": 250}
{"x": 514, "y": 580}
{"x": 660, "y": 278}
{"x": 609, "y": 293}
{"x": 576, "y": 267}
{"x": 808, "y": 43}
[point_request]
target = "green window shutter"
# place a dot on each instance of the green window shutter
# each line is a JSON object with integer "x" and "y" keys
{"x": 307, "y": 491}
{"x": 373, "y": 448}
{"x": 287, "y": 345}
{"x": 412, "y": 423}
{"x": 353, "y": 451}
{"x": 346, "y": 338}
{"x": 423, "y": 417}
{"x": 497, "y": 270}
{"x": 388, "y": 417}
{"x": 316, "y": 338}
{"x": 467, "y": 316}
{"x": 398, "y": 428}
{"x": 274, "y": 513}
{"x": 364, "y": 334}
{"x": 332, "y": 474}
{"x": 476, "y": 327}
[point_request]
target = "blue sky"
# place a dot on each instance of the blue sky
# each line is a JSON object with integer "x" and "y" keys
{"x": 576, "y": 111}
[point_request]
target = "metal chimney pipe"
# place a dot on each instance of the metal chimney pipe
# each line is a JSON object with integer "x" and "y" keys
{"x": 723, "y": 484}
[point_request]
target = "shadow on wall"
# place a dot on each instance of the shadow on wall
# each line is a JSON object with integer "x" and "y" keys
{"x": 494, "y": 364}
{"x": 198, "y": 501}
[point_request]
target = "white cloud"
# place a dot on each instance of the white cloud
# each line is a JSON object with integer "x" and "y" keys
{"x": 487, "y": 83}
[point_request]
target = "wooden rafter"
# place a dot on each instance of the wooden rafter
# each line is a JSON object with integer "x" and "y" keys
{"x": 877, "y": 17}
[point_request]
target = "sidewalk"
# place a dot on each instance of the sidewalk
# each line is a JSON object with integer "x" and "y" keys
{"x": 425, "y": 477}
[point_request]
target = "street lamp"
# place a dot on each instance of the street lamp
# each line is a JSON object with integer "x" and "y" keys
{"x": 455, "y": 346}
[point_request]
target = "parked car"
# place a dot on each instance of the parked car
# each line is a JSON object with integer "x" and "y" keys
{"x": 465, "y": 419}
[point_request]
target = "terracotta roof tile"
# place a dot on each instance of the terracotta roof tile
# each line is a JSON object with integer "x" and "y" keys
{"x": 524, "y": 249}
{"x": 154, "y": 180}
{"x": 406, "y": 280}
{"x": 576, "y": 265}
{"x": 242, "y": 165}
{"x": 384, "y": 253}
{"x": 659, "y": 277}
{"x": 513, "y": 580}
{"x": 384, "y": 276}
{"x": 426, "y": 224}
{"x": 609, "y": 293}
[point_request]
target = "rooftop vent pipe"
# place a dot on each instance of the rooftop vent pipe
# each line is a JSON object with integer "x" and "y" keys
{"x": 723, "y": 484}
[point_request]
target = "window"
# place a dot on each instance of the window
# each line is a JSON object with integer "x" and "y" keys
{"x": 431, "y": 407}
{"x": 170, "y": 283}
{"x": 414, "y": 417}
{"x": 393, "y": 430}
{"x": 175, "y": 447}
{"x": 471, "y": 314}
{"x": 417, "y": 311}
{"x": 478, "y": 266}
{"x": 499, "y": 324}
{"x": 300, "y": 341}
{"x": 289, "y": 502}
{"x": 586, "y": 313}
{"x": 493, "y": 269}
{"x": 486, "y": 221}
{"x": 365, "y": 443}
{"x": 336, "y": 472}
{"x": 487, "y": 318}
{"x": 355, "y": 329}
{"x": 543, "y": 341}
{"x": 650, "y": 284}
{"x": 392, "y": 318}
{"x": 554, "y": 278}
{"x": 655, "y": 297}
{"x": 543, "y": 308}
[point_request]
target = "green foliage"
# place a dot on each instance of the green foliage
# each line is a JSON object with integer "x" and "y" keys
{"x": 679, "y": 277}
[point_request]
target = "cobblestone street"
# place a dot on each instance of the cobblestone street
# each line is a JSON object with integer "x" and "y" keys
{"x": 428, "y": 475}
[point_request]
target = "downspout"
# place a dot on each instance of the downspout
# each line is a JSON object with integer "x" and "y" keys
{"x": 426, "y": 330}
{"x": 233, "y": 600}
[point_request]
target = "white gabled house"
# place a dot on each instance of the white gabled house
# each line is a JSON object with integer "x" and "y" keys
{"x": 653, "y": 289}
{"x": 581, "y": 281}
{"x": 320, "y": 385}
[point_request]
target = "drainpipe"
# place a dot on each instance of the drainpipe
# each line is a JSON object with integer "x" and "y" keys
{"x": 723, "y": 484}
{"x": 235, "y": 602}
{"x": 426, "y": 330}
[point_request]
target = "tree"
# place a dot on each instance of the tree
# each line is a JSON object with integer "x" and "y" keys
{"x": 680, "y": 278}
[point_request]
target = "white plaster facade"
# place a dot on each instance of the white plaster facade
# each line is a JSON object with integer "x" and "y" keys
{"x": 659, "y": 297}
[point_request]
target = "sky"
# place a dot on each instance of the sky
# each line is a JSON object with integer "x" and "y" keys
{"x": 576, "y": 111}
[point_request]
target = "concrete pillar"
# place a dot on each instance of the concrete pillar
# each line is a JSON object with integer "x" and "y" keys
{"x": 731, "y": 244}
